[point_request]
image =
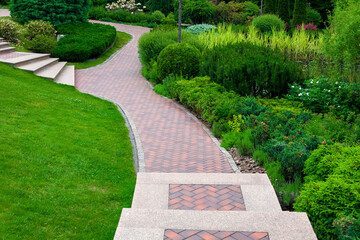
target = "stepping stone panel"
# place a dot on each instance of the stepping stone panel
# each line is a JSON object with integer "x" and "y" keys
{"x": 181, "y": 234}
{"x": 206, "y": 197}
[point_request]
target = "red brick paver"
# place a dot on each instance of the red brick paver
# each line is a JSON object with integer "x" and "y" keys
{"x": 182, "y": 234}
{"x": 172, "y": 141}
{"x": 206, "y": 197}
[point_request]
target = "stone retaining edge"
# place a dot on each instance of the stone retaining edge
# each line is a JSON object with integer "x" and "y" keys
{"x": 138, "y": 152}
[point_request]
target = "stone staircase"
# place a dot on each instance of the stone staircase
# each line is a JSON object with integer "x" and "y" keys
{"x": 39, "y": 64}
{"x": 209, "y": 206}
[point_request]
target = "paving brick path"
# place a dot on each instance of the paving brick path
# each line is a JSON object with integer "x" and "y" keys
{"x": 172, "y": 141}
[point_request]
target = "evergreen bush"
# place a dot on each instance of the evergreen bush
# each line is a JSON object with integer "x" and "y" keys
{"x": 198, "y": 11}
{"x": 270, "y": 6}
{"x": 313, "y": 16}
{"x": 179, "y": 59}
{"x": 268, "y": 22}
{"x": 250, "y": 70}
{"x": 164, "y": 6}
{"x": 54, "y": 11}
{"x": 299, "y": 12}
{"x": 284, "y": 10}
{"x": 10, "y": 30}
{"x": 83, "y": 41}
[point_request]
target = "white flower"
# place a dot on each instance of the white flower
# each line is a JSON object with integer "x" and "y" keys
{"x": 300, "y": 94}
{"x": 329, "y": 91}
{"x": 336, "y": 83}
{"x": 307, "y": 94}
{"x": 292, "y": 86}
{"x": 339, "y": 86}
{"x": 317, "y": 82}
{"x": 311, "y": 82}
{"x": 299, "y": 88}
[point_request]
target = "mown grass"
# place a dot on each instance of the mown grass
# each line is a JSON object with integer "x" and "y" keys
{"x": 66, "y": 165}
{"x": 121, "y": 39}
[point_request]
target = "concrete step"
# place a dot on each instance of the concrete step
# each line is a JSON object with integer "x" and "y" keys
{"x": 1, "y": 39}
{"x": 52, "y": 71}
{"x": 139, "y": 224}
{"x": 67, "y": 76}
{"x": 38, "y": 65}
{"x": 26, "y": 59}
{"x": 205, "y": 191}
{"x": 7, "y": 50}
{"x": 4, "y": 45}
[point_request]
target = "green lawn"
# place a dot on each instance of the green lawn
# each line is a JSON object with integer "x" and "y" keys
{"x": 66, "y": 165}
{"x": 121, "y": 39}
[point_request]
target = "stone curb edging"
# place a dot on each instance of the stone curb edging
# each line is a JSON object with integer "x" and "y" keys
{"x": 138, "y": 152}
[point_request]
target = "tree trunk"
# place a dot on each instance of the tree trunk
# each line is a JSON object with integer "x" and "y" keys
{"x": 179, "y": 33}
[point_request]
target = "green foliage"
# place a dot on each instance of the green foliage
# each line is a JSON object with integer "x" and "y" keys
{"x": 270, "y": 6}
{"x": 299, "y": 12}
{"x": 83, "y": 41}
{"x": 97, "y": 13}
{"x": 331, "y": 127}
{"x": 261, "y": 157}
{"x": 158, "y": 16}
{"x": 54, "y": 11}
{"x": 278, "y": 106}
{"x": 284, "y": 10}
{"x": 200, "y": 28}
{"x": 34, "y": 28}
{"x": 229, "y": 140}
{"x": 332, "y": 187}
{"x": 245, "y": 143}
{"x": 320, "y": 94}
{"x": 41, "y": 44}
{"x": 99, "y": 2}
{"x": 347, "y": 227}
{"x": 236, "y": 13}
{"x": 313, "y": 16}
{"x": 250, "y": 70}
{"x": 342, "y": 39}
{"x": 198, "y": 11}
{"x": 165, "y": 6}
{"x": 10, "y": 30}
{"x": 161, "y": 90}
{"x": 267, "y": 22}
{"x": 179, "y": 59}
{"x": 169, "y": 20}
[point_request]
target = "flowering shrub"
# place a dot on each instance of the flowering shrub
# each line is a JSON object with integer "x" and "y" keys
{"x": 307, "y": 27}
{"x": 128, "y": 5}
{"x": 319, "y": 94}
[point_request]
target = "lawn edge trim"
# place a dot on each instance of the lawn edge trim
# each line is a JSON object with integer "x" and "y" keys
{"x": 138, "y": 152}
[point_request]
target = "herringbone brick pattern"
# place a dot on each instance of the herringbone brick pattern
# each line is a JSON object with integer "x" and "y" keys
{"x": 11, "y": 55}
{"x": 172, "y": 141}
{"x": 182, "y": 234}
{"x": 206, "y": 197}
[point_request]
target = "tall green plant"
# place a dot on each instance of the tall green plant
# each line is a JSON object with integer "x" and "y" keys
{"x": 270, "y": 6}
{"x": 164, "y": 6}
{"x": 283, "y": 10}
{"x": 54, "y": 11}
{"x": 299, "y": 12}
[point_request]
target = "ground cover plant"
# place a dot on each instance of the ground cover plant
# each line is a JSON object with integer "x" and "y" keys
{"x": 66, "y": 161}
{"x": 84, "y": 41}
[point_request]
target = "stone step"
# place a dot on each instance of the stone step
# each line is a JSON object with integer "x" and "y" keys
{"x": 67, "y": 76}
{"x": 205, "y": 191}
{"x": 4, "y": 45}
{"x": 52, "y": 71}
{"x": 7, "y": 50}
{"x": 139, "y": 224}
{"x": 38, "y": 65}
{"x": 26, "y": 59}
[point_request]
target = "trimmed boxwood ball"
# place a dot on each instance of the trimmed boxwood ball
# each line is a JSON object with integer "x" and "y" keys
{"x": 267, "y": 22}
{"x": 179, "y": 59}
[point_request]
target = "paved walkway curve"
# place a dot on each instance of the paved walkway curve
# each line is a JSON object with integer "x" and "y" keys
{"x": 172, "y": 141}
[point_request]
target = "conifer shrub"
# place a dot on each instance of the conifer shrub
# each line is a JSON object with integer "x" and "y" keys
{"x": 179, "y": 59}
{"x": 313, "y": 16}
{"x": 299, "y": 12}
{"x": 250, "y": 70}
{"x": 84, "y": 41}
{"x": 10, "y": 30}
{"x": 284, "y": 10}
{"x": 268, "y": 22}
{"x": 54, "y": 11}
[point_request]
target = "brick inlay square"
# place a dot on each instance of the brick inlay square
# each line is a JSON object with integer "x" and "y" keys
{"x": 182, "y": 234}
{"x": 206, "y": 197}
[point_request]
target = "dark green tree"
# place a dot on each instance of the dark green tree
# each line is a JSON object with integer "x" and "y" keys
{"x": 300, "y": 12}
{"x": 165, "y": 6}
{"x": 270, "y": 6}
{"x": 54, "y": 11}
{"x": 284, "y": 10}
